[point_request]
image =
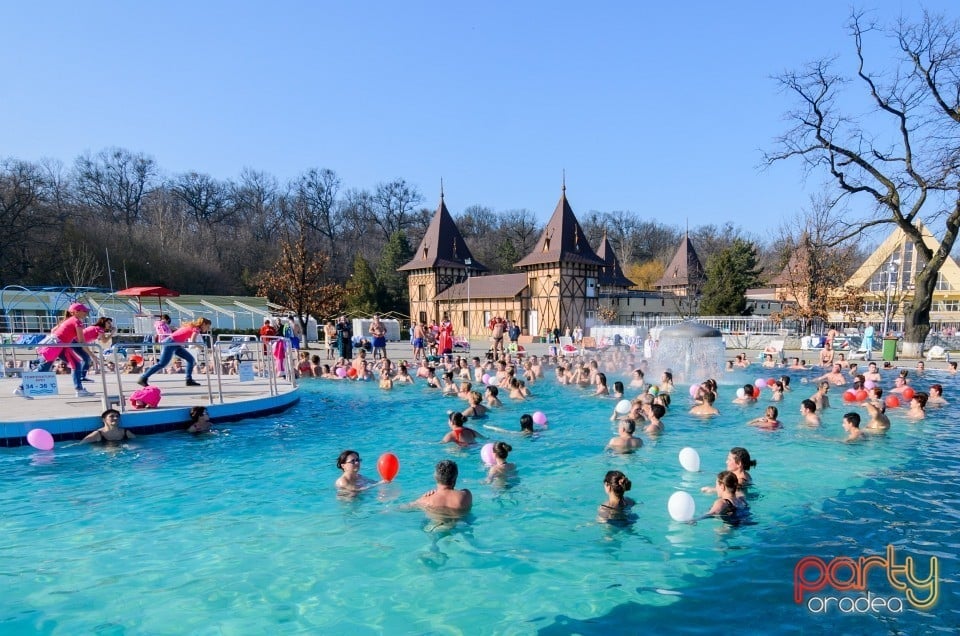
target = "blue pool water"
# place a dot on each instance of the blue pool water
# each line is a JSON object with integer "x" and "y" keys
{"x": 241, "y": 532}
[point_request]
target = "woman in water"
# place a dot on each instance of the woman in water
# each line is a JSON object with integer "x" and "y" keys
{"x": 460, "y": 434}
{"x": 602, "y": 388}
{"x": 110, "y": 431}
{"x": 729, "y": 505}
{"x": 615, "y": 484}
{"x": 351, "y": 480}
{"x": 918, "y": 406}
{"x": 502, "y": 468}
{"x": 199, "y": 420}
{"x": 476, "y": 408}
{"x": 739, "y": 463}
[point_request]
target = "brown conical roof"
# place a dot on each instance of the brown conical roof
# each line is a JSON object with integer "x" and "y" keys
{"x": 611, "y": 275}
{"x": 562, "y": 241}
{"x": 796, "y": 269}
{"x": 442, "y": 245}
{"x": 685, "y": 268}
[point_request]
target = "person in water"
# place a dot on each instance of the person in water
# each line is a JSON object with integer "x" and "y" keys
{"x": 501, "y": 468}
{"x": 739, "y": 463}
{"x": 615, "y": 484}
{"x": 351, "y": 480}
{"x": 199, "y": 420}
{"x": 111, "y": 430}
{"x": 730, "y": 505}
{"x": 625, "y": 442}
{"x": 459, "y": 434}
{"x": 446, "y": 496}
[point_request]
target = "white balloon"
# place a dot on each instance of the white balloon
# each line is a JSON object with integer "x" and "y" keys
{"x": 623, "y": 407}
{"x": 681, "y": 506}
{"x": 690, "y": 460}
{"x": 741, "y": 392}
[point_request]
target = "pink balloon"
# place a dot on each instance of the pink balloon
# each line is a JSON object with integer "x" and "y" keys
{"x": 539, "y": 418}
{"x": 760, "y": 383}
{"x": 486, "y": 378}
{"x": 40, "y": 439}
{"x": 694, "y": 388}
{"x": 486, "y": 454}
{"x": 341, "y": 372}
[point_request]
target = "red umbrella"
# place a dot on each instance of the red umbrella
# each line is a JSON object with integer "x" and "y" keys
{"x": 159, "y": 292}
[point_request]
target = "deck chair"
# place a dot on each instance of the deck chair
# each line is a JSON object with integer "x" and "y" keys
{"x": 936, "y": 352}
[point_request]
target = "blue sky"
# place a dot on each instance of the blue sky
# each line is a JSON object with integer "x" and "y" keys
{"x": 662, "y": 110}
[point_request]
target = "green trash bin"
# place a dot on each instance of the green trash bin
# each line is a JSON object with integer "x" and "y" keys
{"x": 889, "y": 349}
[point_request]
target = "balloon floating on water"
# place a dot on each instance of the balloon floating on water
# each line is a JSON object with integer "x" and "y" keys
{"x": 540, "y": 418}
{"x": 388, "y": 466}
{"x": 623, "y": 407}
{"x": 681, "y": 506}
{"x": 690, "y": 459}
{"x": 40, "y": 439}
{"x": 486, "y": 454}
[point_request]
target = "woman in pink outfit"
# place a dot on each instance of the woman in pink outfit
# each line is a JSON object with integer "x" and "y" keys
{"x": 189, "y": 332}
{"x": 69, "y": 330}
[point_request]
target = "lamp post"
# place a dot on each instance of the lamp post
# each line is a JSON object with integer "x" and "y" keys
{"x": 892, "y": 269}
{"x": 468, "y": 262}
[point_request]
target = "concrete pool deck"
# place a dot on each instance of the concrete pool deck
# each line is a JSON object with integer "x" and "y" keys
{"x": 67, "y": 417}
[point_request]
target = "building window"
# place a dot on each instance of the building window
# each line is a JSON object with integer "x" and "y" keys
{"x": 534, "y": 287}
{"x": 421, "y": 292}
{"x": 423, "y": 317}
{"x": 591, "y": 288}
{"x": 466, "y": 320}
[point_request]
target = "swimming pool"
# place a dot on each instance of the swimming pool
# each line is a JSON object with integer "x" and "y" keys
{"x": 241, "y": 532}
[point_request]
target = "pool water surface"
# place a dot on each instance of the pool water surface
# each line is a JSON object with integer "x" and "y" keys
{"x": 241, "y": 531}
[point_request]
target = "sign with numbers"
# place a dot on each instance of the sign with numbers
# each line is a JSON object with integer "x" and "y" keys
{"x": 36, "y": 383}
{"x": 246, "y": 371}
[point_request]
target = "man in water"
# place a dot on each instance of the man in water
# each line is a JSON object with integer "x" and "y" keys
{"x": 851, "y": 424}
{"x": 808, "y": 413}
{"x": 445, "y": 495}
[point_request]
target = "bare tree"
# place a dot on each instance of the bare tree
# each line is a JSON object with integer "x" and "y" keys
{"x": 114, "y": 182}
{"x": 393, "y": 205}
{"x": 903, "y": 156}
{"x": 82, "y": 267}
{"x": 315, "y": 195}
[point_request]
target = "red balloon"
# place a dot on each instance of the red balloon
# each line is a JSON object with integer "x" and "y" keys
{"x": 892, "y": 402}
{"x": 756, "y": 391}
{"x": 861, "y": 395}
{"x": 388, "y": 466}
{"x": 771, "y": 382}
{"x": 352, "y": 373}
{"x": 908, "y": 394}
{"x": 849, "y": 396}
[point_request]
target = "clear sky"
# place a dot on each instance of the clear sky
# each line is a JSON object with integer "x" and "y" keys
{"x": 659, "y": 108}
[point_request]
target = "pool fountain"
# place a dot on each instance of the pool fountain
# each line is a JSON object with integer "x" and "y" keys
{"x": 691, "y": 350}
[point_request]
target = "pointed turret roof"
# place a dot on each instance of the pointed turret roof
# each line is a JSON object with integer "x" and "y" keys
{"x": 795, "y": 269}
{"x": 442, "y": 245}
{"x": 562, "y": 241}
{"x": 610, "y": 274}
{"x": 684, "y": 269}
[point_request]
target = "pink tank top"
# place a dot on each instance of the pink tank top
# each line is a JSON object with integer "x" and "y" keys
{"x": 66, "y": 331}
{"x": 184, "y": 334}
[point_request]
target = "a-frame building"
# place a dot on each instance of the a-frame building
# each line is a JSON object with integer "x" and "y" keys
{"x": 562, "y": 274}
{"x": 439, "y": 263}
{"x": 889, "y": 273}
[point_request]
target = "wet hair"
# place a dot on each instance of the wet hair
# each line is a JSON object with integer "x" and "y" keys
{"x": 602, "y": 378}
{"x": 618, "y": 482}
{"x": 748, "y": 390}
{"x": 921, "y": 398}
{"x": 196, "y": 413}
{"x": 664, "y": 399}
{"x": 618, "y": 387}
{"x": 876, "y": 392}
{"x": 772, "y": 412}
{"x": 526, "y": 422}
{"x": 668, "y": 376}
{"x": 446, "y": 473}
{"x": 494, "y": 391}
{"x": 778, "y": 385}
{"x": 853, "y": 418}
{"x": 938, "y": 387}
{"x": 344, "y": 456}
{"x": 658, "y": 410}
{"x": 709, "y": 397}
{"x": 457, "y": 418}
{"x": 103, "y": 416}
{"x": 810, "y": 405}
{"x": 742, "y": 455}
{"x": 904, "y": 373}
{"x": 785, "y": 380}
{"x": 728, "y": 480}
{"x": 629, "y": 425}
{"x": 502, "y": 449}
{"x": 475, "y": 396}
